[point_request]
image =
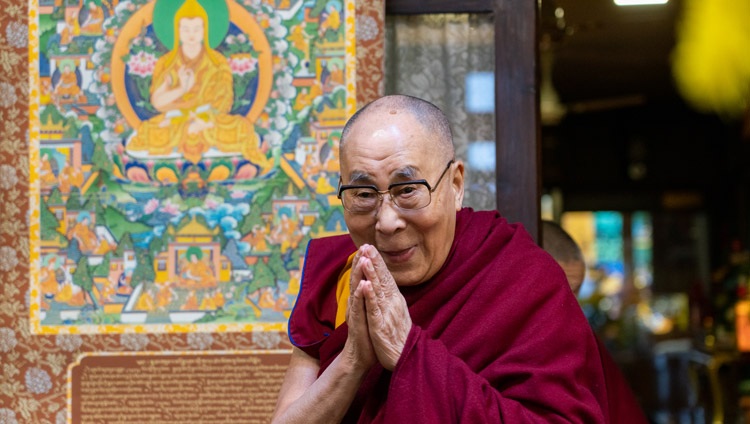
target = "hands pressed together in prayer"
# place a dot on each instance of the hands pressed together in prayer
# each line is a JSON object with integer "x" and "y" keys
{"x": 377, "y": 314}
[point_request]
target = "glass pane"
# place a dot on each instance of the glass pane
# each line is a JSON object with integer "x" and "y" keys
{"x": 450, "y": 60}
{"x": 616, "y": 294}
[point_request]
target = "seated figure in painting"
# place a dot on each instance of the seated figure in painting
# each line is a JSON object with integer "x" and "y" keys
{"x": 94, "y": 18}
{"x": 48, "y": 276}
{"x": 83, "y": 233}
{"x": 258, "y": 238}
{"x": 191, "y": 302}
{"x": 219, "y": 299}
{"x": 192, "y": 89}
{"x": 287, "y": 232}
{"x": 195, "y": 272}
{"x": 67, "y": 88}
{"x": 123, "y": 284}
{"x": 207, "y": 304}
{"x": 70, "y": 29}
{"x": 164, "y": 297}
{"x": 145, "y": 301}
{"x": 266, "y": 299}
{"x": 69, "y": 177}
{"x": 47, "y": 173}
{"x": 329, "y": 19}
{"x": 71, "y": 294}
{"x": 323, "y": 185}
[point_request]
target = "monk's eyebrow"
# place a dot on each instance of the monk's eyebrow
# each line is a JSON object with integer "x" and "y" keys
{"x": 403, "y": 174}
{"x": 406, "y": 173}
{"x": 360, "y": 177}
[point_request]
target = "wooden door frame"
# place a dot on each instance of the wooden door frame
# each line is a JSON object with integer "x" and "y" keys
{"x": 517, "y": 120}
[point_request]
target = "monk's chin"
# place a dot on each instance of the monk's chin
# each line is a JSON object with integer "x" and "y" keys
{"x": 406, "y": 278}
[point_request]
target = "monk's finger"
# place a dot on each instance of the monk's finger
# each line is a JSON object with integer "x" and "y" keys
{"x": 382, "y": 280}
{"x": 357, "y": 274}
{"x": 373, "y": 308}
{"x": 354, "y": 312}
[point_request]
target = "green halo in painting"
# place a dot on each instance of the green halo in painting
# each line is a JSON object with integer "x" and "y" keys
{"x": 194, "y": 251}
{"x": 163, "y": 20}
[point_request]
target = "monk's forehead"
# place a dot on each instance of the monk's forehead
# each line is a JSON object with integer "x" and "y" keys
{"x": 393, "y": 121}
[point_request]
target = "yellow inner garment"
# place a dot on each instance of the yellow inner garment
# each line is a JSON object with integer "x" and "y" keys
{"x": 342, "y": 291}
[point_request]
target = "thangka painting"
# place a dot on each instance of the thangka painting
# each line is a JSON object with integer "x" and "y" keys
{"x": 183, "y": 154}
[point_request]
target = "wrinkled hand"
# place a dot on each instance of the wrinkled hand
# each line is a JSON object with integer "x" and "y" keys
{"x": 358, "y": 347}
{"x": 388, "y": 320}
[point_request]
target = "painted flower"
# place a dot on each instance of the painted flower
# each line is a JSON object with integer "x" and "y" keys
{"x": 17, "y": 34}
{"x": 8, "y": 258}
{"x": 68, "y": 342}
{"x": 8, "y": 95}
{"x": 8, "y": 177}
{"x": 7, "y": 416}
{"x": 367, "y": 28}
{"x": 266, "y": 339}
{"x": 61, "y": 417}
{"x": 211, "y": 204}
{"x": 151, "y": 206}
{"x": 7, "y": 339}
{"x": 170, "y": 208}
{"x": 142, "y": 64}
{"x": 241, "y": 38}
{"x": 200, "y": 341}
{"x": 38, "y": 381}
{"x": 238, "y": 194}
{"x": 134, "y": 341}
{"x": 241, "y": 65}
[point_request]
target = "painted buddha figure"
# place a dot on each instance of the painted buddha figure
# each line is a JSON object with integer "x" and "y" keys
{"x": 192, "y": 89}
{"x": 195, "y": 271}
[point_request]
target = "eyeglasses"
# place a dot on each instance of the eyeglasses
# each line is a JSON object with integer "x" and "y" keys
{"x": 408, "y": 195}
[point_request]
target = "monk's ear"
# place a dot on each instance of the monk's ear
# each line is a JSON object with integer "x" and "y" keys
{"x": 457, "y": 183}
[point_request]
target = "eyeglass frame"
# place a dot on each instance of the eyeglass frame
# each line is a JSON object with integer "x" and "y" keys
{"x": 381, "y": 193}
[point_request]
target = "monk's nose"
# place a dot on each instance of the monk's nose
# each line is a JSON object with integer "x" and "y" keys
{"x": 388, "y": 217}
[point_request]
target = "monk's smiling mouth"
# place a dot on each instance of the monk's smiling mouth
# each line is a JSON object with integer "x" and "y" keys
{"x": 398, "y": 256}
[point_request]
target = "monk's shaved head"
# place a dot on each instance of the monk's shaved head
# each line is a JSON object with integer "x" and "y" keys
{"x": 432, "y": 119}
{"x": 566, "y": 252}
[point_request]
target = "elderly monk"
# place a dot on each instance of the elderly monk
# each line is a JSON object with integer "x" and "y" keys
{"x": 428, "y": 312}
{"x": 558, "y": 243}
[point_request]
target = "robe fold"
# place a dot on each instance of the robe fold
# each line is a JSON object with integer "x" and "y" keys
{"x": 497, "y": 335}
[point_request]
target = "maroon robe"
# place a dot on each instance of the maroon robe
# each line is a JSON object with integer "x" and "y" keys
{"x": 497, "y": 336}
